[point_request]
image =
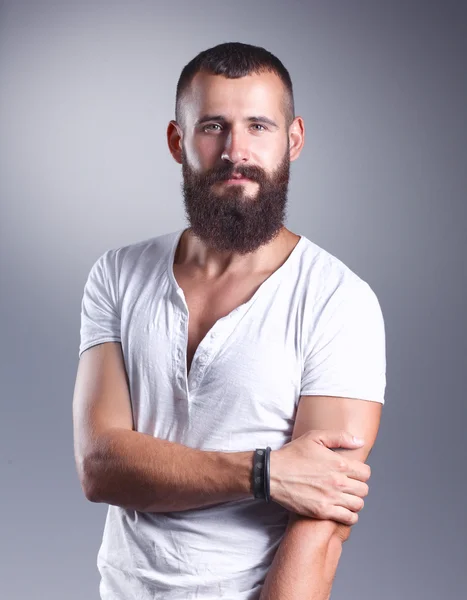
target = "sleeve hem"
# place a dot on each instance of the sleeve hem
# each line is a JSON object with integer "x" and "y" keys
{"x": 96, "y": 342}
{"x": 340, "y": 394}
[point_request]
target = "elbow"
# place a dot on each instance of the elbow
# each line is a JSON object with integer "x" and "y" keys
{"x": 89, "y": 479}
{"x": 342, "y": 532}
{"x": 91, "y": 493}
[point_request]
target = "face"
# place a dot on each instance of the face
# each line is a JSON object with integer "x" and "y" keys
{"x": 235, "y": 150}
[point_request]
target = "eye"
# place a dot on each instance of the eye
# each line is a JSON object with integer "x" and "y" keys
{"x": 263, "y": 128}
{"x": 210, "y": 127}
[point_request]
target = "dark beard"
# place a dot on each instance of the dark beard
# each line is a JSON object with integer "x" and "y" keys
{"x": 229, "y": 221}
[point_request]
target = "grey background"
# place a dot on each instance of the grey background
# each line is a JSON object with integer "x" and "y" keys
{"x": 86, "y": 92}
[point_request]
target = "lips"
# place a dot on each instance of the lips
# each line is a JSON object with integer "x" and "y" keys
{"x": 236, "y": 181}
{"x": 237, "y": 178}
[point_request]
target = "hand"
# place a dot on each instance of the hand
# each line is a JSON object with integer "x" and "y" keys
{"x": 309, "y": 479}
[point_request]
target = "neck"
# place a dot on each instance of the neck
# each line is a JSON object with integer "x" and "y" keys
{"x": 193, "y": 252}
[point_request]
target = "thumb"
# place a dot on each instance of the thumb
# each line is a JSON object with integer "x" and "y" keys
{"x": 339, "y": 439}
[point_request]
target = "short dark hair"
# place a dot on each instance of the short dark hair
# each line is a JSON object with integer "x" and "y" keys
{"x": 234, "y": 60}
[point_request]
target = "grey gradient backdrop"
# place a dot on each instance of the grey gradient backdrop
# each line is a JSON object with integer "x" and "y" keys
{"x": 86, "y": 91}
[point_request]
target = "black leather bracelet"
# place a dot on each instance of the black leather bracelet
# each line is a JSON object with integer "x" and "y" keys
{"x": 258, "y": 473}
{"x": 267, "y": 473}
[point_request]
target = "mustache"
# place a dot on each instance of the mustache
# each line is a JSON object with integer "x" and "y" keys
{"x": 226, "y": 172}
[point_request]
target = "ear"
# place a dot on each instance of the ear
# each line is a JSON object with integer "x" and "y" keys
{"x": 296, "y": 137}
{"x": 174, "y": 140}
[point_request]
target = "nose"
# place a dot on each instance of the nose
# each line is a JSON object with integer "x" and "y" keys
{"x": 236, "y": 148}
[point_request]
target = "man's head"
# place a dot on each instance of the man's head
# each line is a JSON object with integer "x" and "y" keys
{"x": 235, "y": 116}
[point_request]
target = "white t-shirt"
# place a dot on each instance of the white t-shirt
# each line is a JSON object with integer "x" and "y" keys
{"x": 312, "y": 328}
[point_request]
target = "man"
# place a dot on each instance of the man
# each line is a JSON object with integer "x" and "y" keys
{"x": 201, "y": 349}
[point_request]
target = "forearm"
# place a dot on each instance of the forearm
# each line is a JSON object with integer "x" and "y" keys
{"x": 144, "y": 473}
{"x": 305, "y": 563}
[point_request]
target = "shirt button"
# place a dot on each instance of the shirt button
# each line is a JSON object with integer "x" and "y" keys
{"x": 202, "y": 360}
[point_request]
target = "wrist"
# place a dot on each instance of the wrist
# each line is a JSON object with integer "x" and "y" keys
{"x": 238, "y": 468}
{"x": 275, "y": 485}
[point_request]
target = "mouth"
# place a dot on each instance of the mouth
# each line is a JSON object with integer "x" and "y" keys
{"x": 236, "y": 179}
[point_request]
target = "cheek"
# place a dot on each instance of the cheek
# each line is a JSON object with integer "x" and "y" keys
{"x": 204, "y": 151}
{"x": 268, "y": 152}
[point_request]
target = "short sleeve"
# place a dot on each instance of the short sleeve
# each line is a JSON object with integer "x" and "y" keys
{"x": 347, "y": 354}
{"x": 100, "y": 318}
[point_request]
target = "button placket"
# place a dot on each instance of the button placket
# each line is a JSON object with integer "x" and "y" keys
{"x": 211, "y": 344}
{"x": 179, "y": 352}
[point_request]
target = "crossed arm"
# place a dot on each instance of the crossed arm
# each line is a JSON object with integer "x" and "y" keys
{"x": 306, "y": 561}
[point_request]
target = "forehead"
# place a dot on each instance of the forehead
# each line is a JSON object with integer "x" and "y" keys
{"x": 253, "y": 94}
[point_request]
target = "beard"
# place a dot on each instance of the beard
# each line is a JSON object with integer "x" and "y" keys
{"x": 232, "y": 220}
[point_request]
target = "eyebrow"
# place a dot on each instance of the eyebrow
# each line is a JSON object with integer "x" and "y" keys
{"x": 222, "y": 119}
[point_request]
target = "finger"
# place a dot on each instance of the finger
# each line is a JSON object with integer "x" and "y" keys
{"x": 351, "y": 502}
{"x": 354, "y": 487}
{"x": 357, "y": 470}
{"x": 343, "y": 515}
{"x": 338, "y": 439}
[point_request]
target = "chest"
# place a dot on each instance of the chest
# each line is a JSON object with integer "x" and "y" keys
{"x": 207, "y": 375}
{"x": 208, "y": 302}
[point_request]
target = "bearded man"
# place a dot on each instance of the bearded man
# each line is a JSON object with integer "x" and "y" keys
{"x": 232, "y": 373}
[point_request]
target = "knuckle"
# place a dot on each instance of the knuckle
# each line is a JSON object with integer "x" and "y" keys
{"x": 321, "y": 508}
{"x": 340, "y": 481}
{"x": 334, "y": 480}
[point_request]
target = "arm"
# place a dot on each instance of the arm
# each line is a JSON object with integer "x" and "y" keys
{"x": 305, "y": 563}
{"x": 120, "y": 466}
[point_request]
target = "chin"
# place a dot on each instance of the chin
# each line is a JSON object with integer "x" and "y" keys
{"x": 236, "y": 191}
